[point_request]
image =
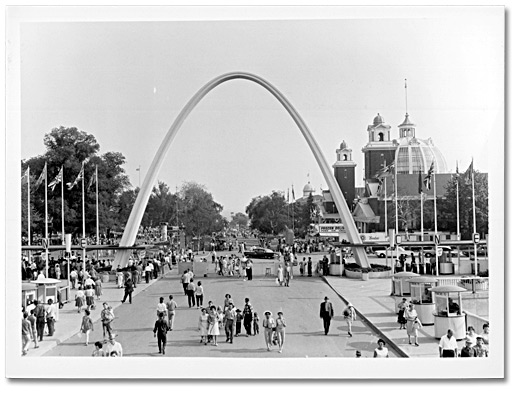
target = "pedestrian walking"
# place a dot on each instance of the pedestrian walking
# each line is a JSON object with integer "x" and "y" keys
{"x": 73, "y": 277}
{"x": 256, "y": 324}
{"x": 410, "y": 316}
{"x": 190, "y": 292}
{"x": 287, "y": 273}
{"x": 89, "y": 296}
{"x": 98, "y": 288}
{"x": 51, "y": 315}
{"x": 248, "y": 316}
{"x": 185, "y": 280}
{"x": 34, "y": 336}
{"x": 161, "y": 307}
{"x": 107, "y": 317}
{"x": 213, "y": 324}
{"x": 230, "y": 316}
{"x": 148, "y": 271}
{"x": 98, "y": 350}
{"x": 309, "y": 267}
{"x": 280, "y": 330}
{"x": 326, "y": 313}
{"x": 249, "y": 269}
{"x": 381, "y": 350}
{"x": 279, "y": 275}
{"x": 269, "y": 325}
{"x": 171, "y": 305}
{"x": 349, "y": 314}
{"x": 199, "y": 294}
{"x": 129, "y": 288}
{"x": 416, "y": 325}
{"x": 203, "y": 326}
{"x": 448, "y": 345}
{"x": 402, "y": 307}
{"x": 468, "y": 350}
{"x": 239, "y": 319}
{"x": 86, "y": 326}
{"x": 302, "y": 266}
{"x": 113, "y": 347}
{"x": 160, "y": 331}
{"x": 26, "y": 334}
{"x": 80, "y": 299}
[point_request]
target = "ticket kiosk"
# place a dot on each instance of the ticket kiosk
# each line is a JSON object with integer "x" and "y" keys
{"x": 448, "y": 312}
{"x": 400, "y": 287}
{"x": 29, "y": 293}
{"x": 422, "y": 298}
{"x": 47, "y": 289}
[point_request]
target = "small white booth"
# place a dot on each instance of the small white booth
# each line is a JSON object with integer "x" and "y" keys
{"x": 422, "y": 298}
{"x": 400, "y": 287}
{"x": 47, "y": 289}
{"x": 448, "y": 313}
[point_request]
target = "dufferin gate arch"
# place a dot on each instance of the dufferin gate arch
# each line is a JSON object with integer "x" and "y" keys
{"x": 139, "y": 207}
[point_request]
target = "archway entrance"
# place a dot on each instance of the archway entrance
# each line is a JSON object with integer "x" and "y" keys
{"x": 139, "y": 207}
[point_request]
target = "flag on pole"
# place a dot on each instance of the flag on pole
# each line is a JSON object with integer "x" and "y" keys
{"x": 428, "y": 179}
{"x": 468, "y": 173}
{"x": 58, "y": 179}
{"x": 294, "y": 198}
{"x": 70, "y": 185}
{"x": 26, "y": 173}
{"x": 386, "y": 171}
{"x": 42, "y": 177}
{"x": 420, "y": 181}
{"x": 93, "y": 179}
{"x": 287, "y": 194}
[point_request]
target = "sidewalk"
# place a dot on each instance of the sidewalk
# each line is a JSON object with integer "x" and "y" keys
{"x": 376, "y": 307}
{"x": 69, "y": 320}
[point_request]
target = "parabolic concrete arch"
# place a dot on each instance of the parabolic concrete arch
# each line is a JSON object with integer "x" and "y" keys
{"x": 139, "y": 207}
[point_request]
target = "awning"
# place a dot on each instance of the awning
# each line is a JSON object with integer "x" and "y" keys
{"x": 363, "y": 213}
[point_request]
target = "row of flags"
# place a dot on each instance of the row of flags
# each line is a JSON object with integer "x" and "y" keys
{"x": 59, "y": 178}
{"x": 293, "y": 196}
{"x": 426, "y": 183}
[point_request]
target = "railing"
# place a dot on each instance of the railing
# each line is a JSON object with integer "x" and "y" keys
{"x": 475, "y": 321}
{"x": 474, "y": 283}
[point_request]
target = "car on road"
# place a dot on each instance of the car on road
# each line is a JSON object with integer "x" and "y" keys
{"x": 260, "y": 253}
{"x": 389, "y": 252}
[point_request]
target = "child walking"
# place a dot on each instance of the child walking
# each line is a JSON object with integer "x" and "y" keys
{"x": 240, "y": 317}
{"x": 256, "y": 321}
{"x": 86, "y": 325}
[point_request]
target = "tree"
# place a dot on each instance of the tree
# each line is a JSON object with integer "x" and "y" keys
{"x": 269, "y": 214}
{"x": 239, "y": 220}
{"x": 70, "y": 147}
{"x": 199, "y": 213}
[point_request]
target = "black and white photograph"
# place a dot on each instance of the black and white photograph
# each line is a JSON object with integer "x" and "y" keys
{"x": 255, "y": 192}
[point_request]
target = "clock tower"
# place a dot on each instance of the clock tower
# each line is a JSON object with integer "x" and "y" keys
{"x": 345, "y": 173}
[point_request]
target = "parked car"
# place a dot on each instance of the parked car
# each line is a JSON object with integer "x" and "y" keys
{"x": 260, "y": 253}
{"x": 481, "y": 251}
{"x": 383, "y": 253}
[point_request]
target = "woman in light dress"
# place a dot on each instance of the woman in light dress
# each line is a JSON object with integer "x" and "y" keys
{"x": 203, "y": 326}
{"x": 213, "y": 324}
{"x": 279, "y": 275}
{"x": 410, "y": 316}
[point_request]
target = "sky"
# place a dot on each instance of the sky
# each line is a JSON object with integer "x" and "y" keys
{"x": 126, "y": 81}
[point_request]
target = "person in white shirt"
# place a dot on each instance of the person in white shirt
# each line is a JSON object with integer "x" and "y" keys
{"x": 381, "y": 350}
{"x": 448, "y": 345}
{"x": 171, "y": 305}
{"x": 161, "y": 307}
{"x": 51, "y": 315}
{"x": 113, "y": 346}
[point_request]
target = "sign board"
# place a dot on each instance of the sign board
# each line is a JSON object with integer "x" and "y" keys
{"x": 374, "y": 237}
{"x": 45, "y": 243}
{"x": 398, "y": 239}
{"x": 68, "y": 242}
{"x": 391, "y": 236}
{"x": 83, "y": 243}
{"x": 437, "y": 238}
{"x": 438, "y": 251}
{"x": 476, "y": 238}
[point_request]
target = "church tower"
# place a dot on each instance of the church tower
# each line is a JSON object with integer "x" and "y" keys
{"x": 345, "y": 173}
{"x": 380, "y": 149}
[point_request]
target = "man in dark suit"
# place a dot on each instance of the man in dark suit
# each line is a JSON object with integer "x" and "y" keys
{"x": 326, "y": 313}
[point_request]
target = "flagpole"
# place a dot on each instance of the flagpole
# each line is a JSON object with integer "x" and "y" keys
{"x": 29, "y": 212}
{"x": 46, "y": 228}
{"x": 458, "y": 217}
{"x": 62, "y": 210}
{"x": 83, "y": 211}
{"x": 474, "y": 214}
{"x": 435, "y": 217}
{"x": 386, "y": 211}
{"x": 396, "y": 214}
{"x": 97, "y": 212}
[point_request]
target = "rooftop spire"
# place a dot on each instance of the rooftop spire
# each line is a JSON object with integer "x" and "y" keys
{"x": 406, "y": 96}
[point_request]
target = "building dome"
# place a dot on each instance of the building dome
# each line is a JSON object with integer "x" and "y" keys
{"x": 378, "y": 120}
{"x": 343, "y": 145}
{"x": 415, "y": 156}
{"x": 308, "y": 188}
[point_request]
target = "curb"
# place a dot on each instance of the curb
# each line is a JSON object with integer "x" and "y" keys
{"x": 390, "y": 343}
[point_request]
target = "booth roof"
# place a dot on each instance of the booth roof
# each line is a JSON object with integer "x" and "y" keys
{"x": 405, "y": 275}
{"x": 448, "y": 289}
{"x": 422, "y": 279}
{"x": 46, "y": 281}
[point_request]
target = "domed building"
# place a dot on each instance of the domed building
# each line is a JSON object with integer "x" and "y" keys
{"x": 414, "y": 155}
